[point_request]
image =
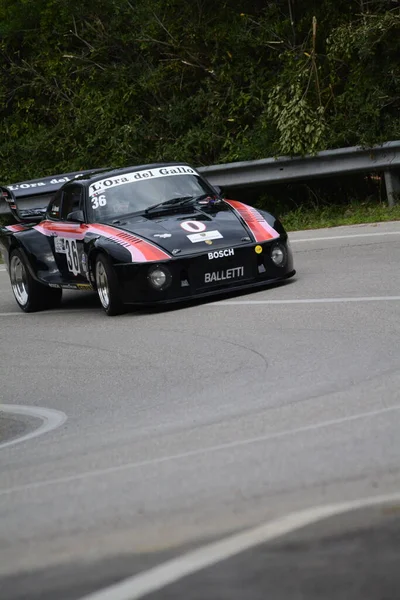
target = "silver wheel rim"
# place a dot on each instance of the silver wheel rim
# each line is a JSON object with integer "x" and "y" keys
{"x": 102, "y": 284}
{"x": 19, "y": 281}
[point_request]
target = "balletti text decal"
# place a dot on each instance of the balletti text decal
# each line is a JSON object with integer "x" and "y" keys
{"x": 259, "y": 227}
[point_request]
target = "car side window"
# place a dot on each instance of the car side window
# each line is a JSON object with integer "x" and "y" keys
{"x": 53, "y": 210}
{"x": 71, "y": 201}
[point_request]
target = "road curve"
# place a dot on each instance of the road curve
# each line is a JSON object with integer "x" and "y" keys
{"x": 188, "y": 424}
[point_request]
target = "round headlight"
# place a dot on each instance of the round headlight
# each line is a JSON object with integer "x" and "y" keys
{"x": 278, "y": 255}
{"x": 159, "y": 277}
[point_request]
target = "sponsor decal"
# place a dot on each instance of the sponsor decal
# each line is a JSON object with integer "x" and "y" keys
{"x": 233, "y": 273}
{"x": 84, "y": 286}
{"x": 36, "y": 184}
{"x": 261, "y": 230}
{"x": 104, "y": 184}
{"x": 25, "y": 186}
{"x": 55, "y": 285}
{"x": 59, "y": 245}
{"x": 258, "y": 249}
{"x": 193, "y": 226}
{"x": 162, "y": 235}
{"x": 84, "y": 264}
{"x": 69, "y": 286}
{"x": 203, "y": 237}
{"x": 221, "y": 253}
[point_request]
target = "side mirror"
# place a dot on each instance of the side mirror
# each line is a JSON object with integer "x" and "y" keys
{"x": 76, "y": 216}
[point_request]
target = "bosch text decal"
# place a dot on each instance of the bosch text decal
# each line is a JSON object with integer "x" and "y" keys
{"x": 221, "y": 253}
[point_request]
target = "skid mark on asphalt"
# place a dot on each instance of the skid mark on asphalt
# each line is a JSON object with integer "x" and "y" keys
{"x": 219, "y": 341}
{"x": 51, "y": 419}
{"x": 202, "y": 451}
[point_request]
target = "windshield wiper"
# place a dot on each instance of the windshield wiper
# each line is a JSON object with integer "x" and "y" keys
{"x": 180, "y": 201}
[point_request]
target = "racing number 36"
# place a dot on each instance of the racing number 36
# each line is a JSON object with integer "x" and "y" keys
{"x": 71, "y": 251}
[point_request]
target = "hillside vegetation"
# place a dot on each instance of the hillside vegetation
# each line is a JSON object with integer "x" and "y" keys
{"x": 89, "y": 83}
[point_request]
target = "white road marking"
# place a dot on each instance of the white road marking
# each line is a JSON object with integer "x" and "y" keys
{"x": 200, "y": 451}
{"x": 173, "y": 570}
{"x": 342, "y": 237}
{"x": 229, "y": 302}
{"x": 51, "y": 420}
{"x": 310, "y": 300}
{"x": 2, "y": 269}
{"x": 65, "y": 311}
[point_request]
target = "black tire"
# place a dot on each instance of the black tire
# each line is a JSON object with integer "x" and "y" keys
{"x": 107, "y": 286}
{"x": 29, "y": 294}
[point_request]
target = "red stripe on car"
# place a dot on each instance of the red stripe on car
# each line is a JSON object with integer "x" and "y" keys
{"x": 259, "y": 227}
{"x": 68, "y": 230}
{"x": 140, "y": 250}
{"x": 15, "y": 228}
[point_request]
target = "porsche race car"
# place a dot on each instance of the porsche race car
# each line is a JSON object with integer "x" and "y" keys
{"x": 147, "y": 234}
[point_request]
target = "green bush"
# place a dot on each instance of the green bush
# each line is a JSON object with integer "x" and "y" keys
{"x": 93, "y": 83}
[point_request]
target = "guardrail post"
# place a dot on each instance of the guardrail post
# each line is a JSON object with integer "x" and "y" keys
{"x": 392, "y": 182}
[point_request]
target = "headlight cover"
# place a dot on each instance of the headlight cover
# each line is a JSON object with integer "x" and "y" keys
{"x": 279, "y": 255}
{"x": 159, "y": 277}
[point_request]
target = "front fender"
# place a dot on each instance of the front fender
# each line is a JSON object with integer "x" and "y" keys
{"x": 117, "y": 254}
{"x": 275, "y": 223}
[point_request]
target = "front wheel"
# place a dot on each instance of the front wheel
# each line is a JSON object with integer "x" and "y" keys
{"x": 107, "y": 286}
{"x": 30, "y": 295}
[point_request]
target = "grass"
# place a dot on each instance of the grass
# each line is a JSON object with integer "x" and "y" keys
{"x": 316, "y": 217}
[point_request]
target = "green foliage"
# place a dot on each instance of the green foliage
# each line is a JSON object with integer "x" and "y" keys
{"x": 94, "y": 83}
{"x": 301, "y": 129}
{"x": 334, "y": 215}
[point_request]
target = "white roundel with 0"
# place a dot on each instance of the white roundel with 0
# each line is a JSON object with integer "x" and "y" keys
{"x": 193, "y": 226}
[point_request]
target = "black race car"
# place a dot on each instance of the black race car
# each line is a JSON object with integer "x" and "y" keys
{"x": 146, "y": 234}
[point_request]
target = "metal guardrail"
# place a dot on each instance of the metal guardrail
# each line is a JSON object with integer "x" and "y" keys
{"x": 343, "y": 161}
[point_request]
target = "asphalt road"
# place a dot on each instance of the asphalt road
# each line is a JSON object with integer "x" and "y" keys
{"x": 188, "y": 424}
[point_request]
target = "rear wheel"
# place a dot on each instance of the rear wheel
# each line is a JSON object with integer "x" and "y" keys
{"x": 30, "y": 295}
{"x": 107, "y": 286}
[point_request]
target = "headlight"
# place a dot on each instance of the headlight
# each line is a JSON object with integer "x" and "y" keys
{"x": 159, "y": 277}
{"x": 278, "y": 255}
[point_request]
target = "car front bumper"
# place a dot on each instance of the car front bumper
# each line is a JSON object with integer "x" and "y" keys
{"x": 201, "y": 276}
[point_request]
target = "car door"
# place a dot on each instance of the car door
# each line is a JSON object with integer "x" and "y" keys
{"x": 68, "y": 237}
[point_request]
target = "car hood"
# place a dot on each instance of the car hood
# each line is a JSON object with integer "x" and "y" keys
{"x": 192, "y": 230}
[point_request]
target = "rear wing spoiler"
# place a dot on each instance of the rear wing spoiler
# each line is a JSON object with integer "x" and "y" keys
{"x": 28, "y": 200}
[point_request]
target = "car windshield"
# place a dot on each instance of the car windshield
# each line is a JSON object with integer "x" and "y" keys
{"x": 137, "y": 191}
